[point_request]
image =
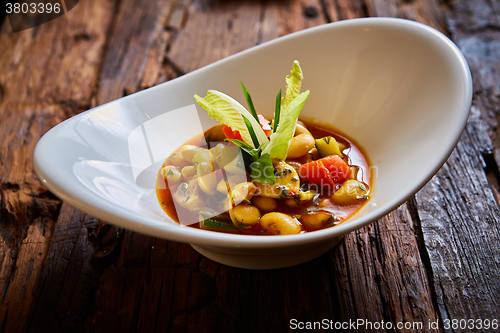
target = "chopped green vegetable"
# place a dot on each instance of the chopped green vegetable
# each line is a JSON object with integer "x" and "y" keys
{"x": 217, "y": 225}
{"x": 228, "y": 111}
{"x": 249, "y": 101}
{"x": 342, "y": 146}
{"x": 328, "y": 146}
{"x": 277, "y": 111}
{"x": 280, "y": 140}
{"x": 262, "y": 169}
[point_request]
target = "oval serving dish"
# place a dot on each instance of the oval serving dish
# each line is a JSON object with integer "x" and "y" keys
{"x": 402, "y": 89}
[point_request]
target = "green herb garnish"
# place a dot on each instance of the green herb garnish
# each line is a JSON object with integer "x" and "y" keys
{"x": 277, "y": 111}
{"x": 251, "y": 131}
{"x": 262, "y": 169}
{"x": 217, "y": 225}
{"x": 249, "y": 101}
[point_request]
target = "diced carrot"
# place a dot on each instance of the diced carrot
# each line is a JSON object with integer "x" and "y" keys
{"x": 327, "y": 170}
{"x": 230, "y": 134}
{"x": 338, "y": 168}
{"x": 314, "y": 172}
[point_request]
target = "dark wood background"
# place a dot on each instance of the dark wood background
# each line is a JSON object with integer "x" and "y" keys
{"x": 436, "y": 257}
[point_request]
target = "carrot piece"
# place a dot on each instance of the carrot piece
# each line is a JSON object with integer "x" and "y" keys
{"x": 338, "y": 168}
{"x": 316, "y": 173}
{"x": 230, "y": 134}
{"x": 328, "y": 170}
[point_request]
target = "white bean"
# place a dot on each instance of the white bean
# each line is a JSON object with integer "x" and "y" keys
{"x": 171, "y": 174}
{"x": 350, "y": 192}
{"x": 244, "y": 216}
{"x": 316, "y": 220}
{"x": 188, "y": 172}
{"x": 265, "y": 204}
{"x": 301, "y": 143}
{"x": 280, "y": 224}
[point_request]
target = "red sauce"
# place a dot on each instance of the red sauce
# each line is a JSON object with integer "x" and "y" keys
{"x": 355, "y": 156}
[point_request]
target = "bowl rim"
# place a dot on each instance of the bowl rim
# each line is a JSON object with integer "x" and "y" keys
{"x": 80, "y": 198}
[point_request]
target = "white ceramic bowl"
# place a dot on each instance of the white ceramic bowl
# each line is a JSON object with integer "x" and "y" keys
{"x": 401, "y": 89}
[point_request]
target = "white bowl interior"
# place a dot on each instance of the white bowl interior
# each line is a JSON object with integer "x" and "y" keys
{"x": 400, "y": 89}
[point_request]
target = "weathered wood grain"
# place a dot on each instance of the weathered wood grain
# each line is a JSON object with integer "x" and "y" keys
{"x": 459, "y": 214}
{"x": 229, "y": 29}
{"x": 48, "y": 73}
{"x": 343, "y": 9}
{"x": 379, "y": 274}
{"x": 63, "y": 270}
{"x": 137, "y": 25}
{"x": 67, "y": 280}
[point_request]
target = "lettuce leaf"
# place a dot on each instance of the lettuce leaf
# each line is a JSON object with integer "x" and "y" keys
{"x": 293, "y": 84}
{"x": 228, "y": 111}
{"x": 291, "y": 105}
{"x": 280, "y": 140}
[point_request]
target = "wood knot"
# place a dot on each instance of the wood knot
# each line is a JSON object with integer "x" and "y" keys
{"x": 10, "y": 186}
{"x": 106, "y": 240}
{"x": 82, "y": 37}
{"x": 310, "y": 12}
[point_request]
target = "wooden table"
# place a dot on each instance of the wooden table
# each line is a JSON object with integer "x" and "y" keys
{"x": 435, "y": 257}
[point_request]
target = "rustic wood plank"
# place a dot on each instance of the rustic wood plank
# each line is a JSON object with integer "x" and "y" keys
{"x": 459, "y": 213}
{"x": 37, "y": 66}
{"x": 158, "y": 67}
{"x": 281, "y": 18}
{"x": 460, "y": 223}
{"x": 137, "y": 25}
{"x": 67, "y": 281}
{"x": 231, "y": 27}
{"x": 102, "y": 278}
{"x": 336, "y": 10}
{"x": 379, "y": 274}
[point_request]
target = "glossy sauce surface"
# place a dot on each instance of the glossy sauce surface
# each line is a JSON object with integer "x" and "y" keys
{"x": 355, "y": 156}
